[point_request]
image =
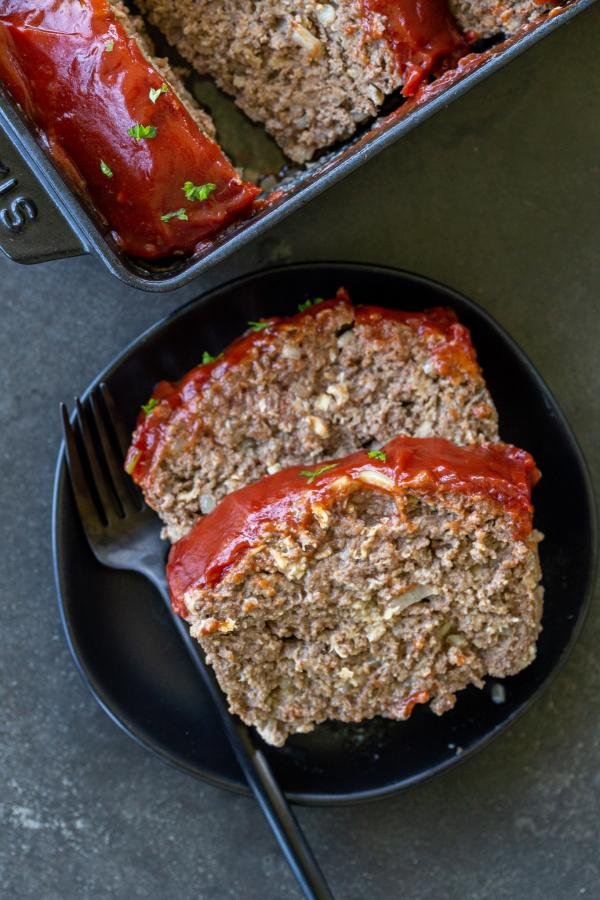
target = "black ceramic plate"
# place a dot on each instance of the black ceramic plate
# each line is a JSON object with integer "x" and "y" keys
{"x": 127, "y": 649}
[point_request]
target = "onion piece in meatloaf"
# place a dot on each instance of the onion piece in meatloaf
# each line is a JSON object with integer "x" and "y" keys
{"x": 366, "y": 585}
{"x": 324, "y": 382}
{"x": 312, "y": 71}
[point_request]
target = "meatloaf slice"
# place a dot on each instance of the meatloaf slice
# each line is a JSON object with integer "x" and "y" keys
{"x": 321, "y": 383}
{"x": 310, "y": 71}
{"x": 366, "y": 585}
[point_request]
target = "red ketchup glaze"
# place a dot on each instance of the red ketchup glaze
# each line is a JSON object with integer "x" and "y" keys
{"x": 452, "y": 353}
{"x": 84, "y": 98}
{"x": 502, "y": 473}
{"x": 421, "y": 33}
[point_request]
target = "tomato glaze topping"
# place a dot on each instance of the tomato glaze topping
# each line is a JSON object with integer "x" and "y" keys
{"x": 421, "y": 33}
{"x": 451, "y": 349}
{"x": 501, "y": 473}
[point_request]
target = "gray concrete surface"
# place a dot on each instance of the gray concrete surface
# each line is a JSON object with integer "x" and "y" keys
{"x": 498, "y": 196}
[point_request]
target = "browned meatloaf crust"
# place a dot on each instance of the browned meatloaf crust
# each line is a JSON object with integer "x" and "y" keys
{"x": 364, "y": 586}
{"x": 310, "y": 71}
{"x": 322, "y": 383}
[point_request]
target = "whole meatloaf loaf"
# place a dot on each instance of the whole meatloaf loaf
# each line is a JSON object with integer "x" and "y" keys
{"x": 365, "y": 585}
{"x": 321, "y": 383}
{"x": 312, "y": 71}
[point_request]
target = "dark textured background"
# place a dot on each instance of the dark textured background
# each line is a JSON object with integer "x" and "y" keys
{"x": 499, "y": 197}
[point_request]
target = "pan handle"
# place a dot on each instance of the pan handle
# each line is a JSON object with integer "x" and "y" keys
{"x": 32, "y": 229}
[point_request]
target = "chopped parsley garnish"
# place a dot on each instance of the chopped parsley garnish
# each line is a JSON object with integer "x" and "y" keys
{"x": 150, "y": 405}
{"x": 142, "y": 131}
{"x": 208, "y": 358}
{"x": 156, "y": 92}
{"x": 316, "y": 472}
{"x": 308, "y": 303}
{"x": 109, "y": 46}
{"x": 106, "y": 170}
{"x": 258, "y": 326}
{"x": 377, "y": 454}
{"x": 178, "y": 214}
{"x": 197, "y": 191}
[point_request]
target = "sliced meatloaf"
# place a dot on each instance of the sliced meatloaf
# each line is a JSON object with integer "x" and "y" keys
{"x": 321, "y": 383}
{"x": 311, "y": 71}
{"x": 365, "y": 585}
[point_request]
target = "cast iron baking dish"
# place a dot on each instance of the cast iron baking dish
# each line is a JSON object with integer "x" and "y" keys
{"x": 41, "y": 218}
{"x": 127, "y": 649}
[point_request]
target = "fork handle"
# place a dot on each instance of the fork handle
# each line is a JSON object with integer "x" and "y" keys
{"x": 259, "y": 776}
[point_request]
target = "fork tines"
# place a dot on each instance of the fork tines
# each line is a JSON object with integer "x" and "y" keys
{"x": 96, "y": 443}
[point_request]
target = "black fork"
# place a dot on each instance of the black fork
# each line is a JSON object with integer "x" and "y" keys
{"x": 124, "y": 534}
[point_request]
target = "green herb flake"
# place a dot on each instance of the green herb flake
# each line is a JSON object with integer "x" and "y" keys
{"x": 308, "y": 303}
{"x": 109, "y": 46}
{"x": 150, "y": 405}
{"x": 155, "y": 93}
{"x": 198, "y": 191}
{"x": 142, "y": 131}
{"x": 377, "y": 454}
{"x": 311, "y": 475}
{"x": 258, "y": 326}
{"x": 178, "y": 214}
{"x": 208, "y": 358}
{"x": 106, "y": 170}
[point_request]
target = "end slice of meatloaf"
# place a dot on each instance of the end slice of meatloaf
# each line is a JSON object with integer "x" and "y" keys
{"x": 366, "y": 585}
{"x": 321, "y": 383}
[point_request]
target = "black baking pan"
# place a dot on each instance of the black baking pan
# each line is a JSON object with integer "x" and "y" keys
{"x": 126, "y": 647}
{"x": 41, "y": 218}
